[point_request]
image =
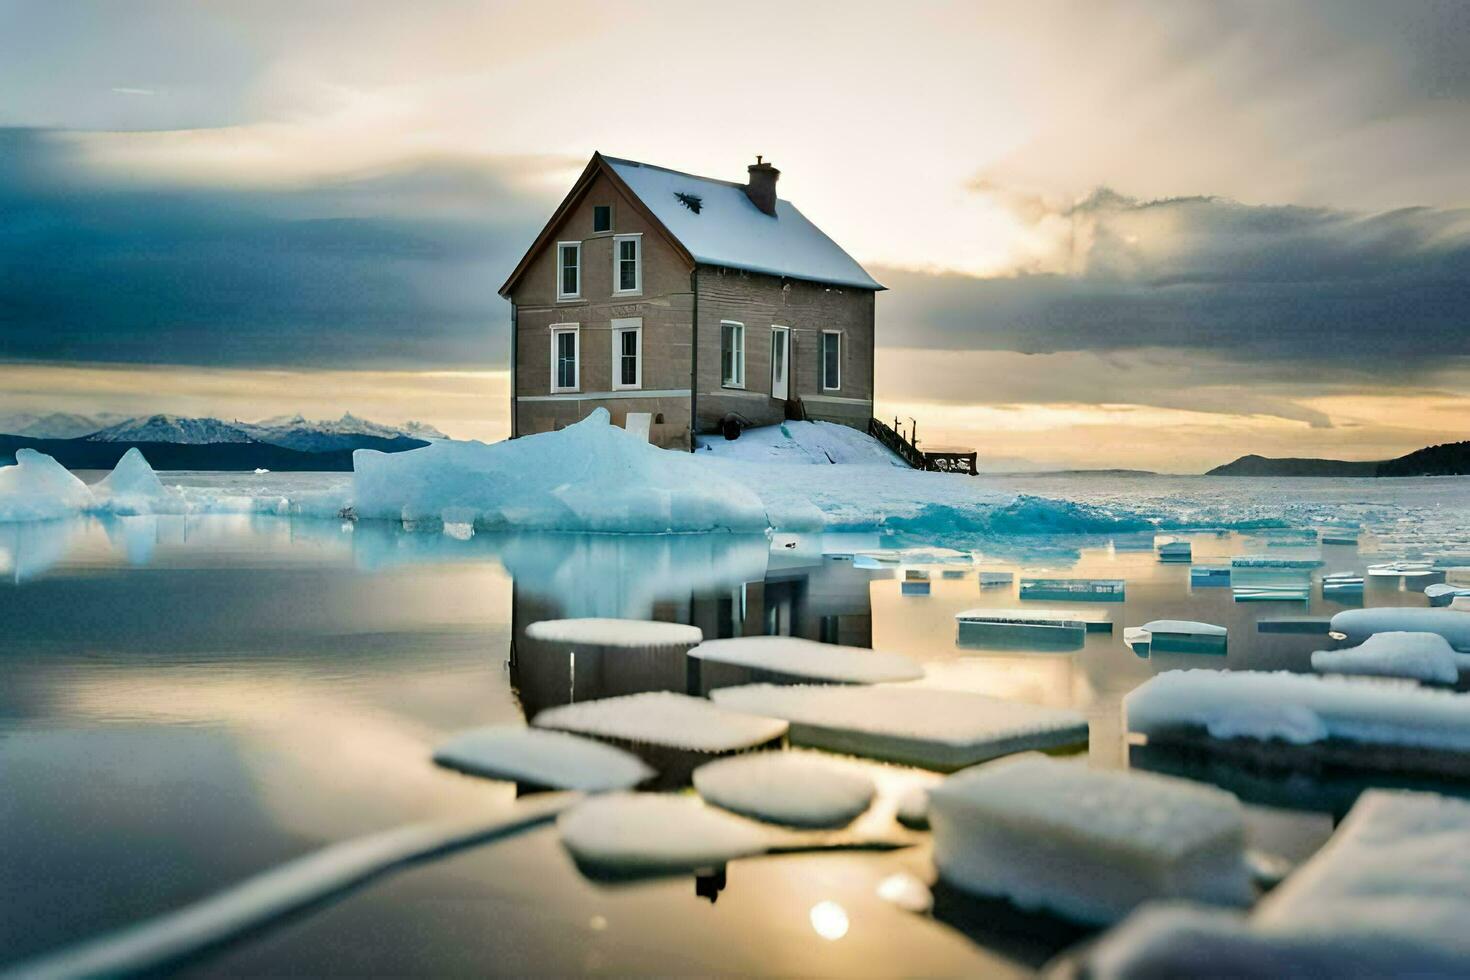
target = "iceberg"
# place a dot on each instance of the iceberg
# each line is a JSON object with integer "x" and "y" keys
{"x": 1389, "y": 895}
{"x": 1087, "y": 844}
{"x": 1417, "y": 656}
{"x": 799, "y": 789}
{"x": 590, "y": 476}
{"x": 807, "y": 659}
{"x": 1356, "y": 625}
{"x": 924, "y": 727}
{"x": 38, "y": 488}
{"x": 554, "y": 760}
{"x": 132, "y": 488}
{"x": 662, "y": 718}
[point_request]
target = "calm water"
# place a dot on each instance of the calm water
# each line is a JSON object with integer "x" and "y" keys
{"x": 185, "y": 701}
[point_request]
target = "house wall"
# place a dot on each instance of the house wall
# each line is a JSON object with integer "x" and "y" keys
{"x": 759, "y": 302}
{"x": 665, "y": 306}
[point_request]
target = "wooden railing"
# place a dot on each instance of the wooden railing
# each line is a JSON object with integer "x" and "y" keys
{"x": 895, "y": 441}
{"x": 944, "y": 459}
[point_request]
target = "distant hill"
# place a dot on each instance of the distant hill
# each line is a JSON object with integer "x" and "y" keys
{"x": 1451, "y": 459}
{"x": 88, "y": 454}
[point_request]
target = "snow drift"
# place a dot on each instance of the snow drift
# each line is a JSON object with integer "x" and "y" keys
{"x": 591, "y": 476}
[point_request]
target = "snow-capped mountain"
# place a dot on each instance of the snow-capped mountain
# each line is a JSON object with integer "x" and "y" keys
{"x": 57, "y": 425}
{"x": 173, "y": 428}
{"x": 348, "y": 432}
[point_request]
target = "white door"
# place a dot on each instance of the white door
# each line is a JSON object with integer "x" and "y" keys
{"x": 780, "y": 363}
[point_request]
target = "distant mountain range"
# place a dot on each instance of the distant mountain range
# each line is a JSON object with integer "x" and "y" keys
{"x": 1450, "y": 459}
{"x": 178, "y": 442}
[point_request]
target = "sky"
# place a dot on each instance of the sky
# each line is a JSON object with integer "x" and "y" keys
{"x": 1151, "y": 235}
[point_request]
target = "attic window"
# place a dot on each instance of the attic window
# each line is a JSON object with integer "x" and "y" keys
{"x": 602, "y": 217}
{"x": 691, "y": 201}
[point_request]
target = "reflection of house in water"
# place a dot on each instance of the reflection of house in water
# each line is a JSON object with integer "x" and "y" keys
{"x": 714, "y": 582}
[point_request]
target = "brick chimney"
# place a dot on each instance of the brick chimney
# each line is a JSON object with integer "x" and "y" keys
{"x": 762, "y": 186}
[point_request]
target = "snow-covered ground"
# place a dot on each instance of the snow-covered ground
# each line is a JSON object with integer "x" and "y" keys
{"x": 823, "y": 443}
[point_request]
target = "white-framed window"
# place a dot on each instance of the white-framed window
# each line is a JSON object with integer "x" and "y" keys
{"x": 568, "y": 270}
{"x": 732, "y": 354}
{"x": 566, "y": 357}
{"x": 627, "y": 353}
{"x": 831, "y": 360}
{"x": 627, "y": 264}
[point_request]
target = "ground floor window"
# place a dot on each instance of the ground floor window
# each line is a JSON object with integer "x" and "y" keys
{"x": 732, "y": 354}
{"x": 831, "y": 360}
{"x": 565, "y": 366}
{"x": 627, "y": 351}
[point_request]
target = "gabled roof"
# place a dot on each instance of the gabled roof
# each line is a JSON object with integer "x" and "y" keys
{"x": 728, "y": 229}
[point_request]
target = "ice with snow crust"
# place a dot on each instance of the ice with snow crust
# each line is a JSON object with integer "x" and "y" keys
{"x": 1389, "y": 895}
{"x": 796, "y": 657}
{"x": 38, "y": 488}
{"x": 1356, "y": 625}
{"x": 801, "y": 789}
{"x": 591, "y": 476}
{"x": 664, "y": 718}
{"x": 552, "y": 759}
{"x": 1087, "y": 844}
{"x": 1418, "y": 656}
{"x": 659, "y": 833}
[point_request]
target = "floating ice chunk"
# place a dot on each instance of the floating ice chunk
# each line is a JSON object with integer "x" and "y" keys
{"x": 1418, "y": 656}
{"x": 596, "y": 632}
{"x": 801, "y": 789}
{"x": 1043, "y": 626}
{"x": 261, "y": 471}
{"x": 907, "y": 892}
{"x": 1402, "y": 569}
{"x": 1333, "y": 537}
{"x": 665, "y": 719}
{"x": 133, "y": 488}
{"x": 1272, "y": 593}
{"x": 1273, "y": 561}
{"x": 1443, "y": 594}
{"x": 990, "y": 579}
{"x": 1300, "y": 709}
{"x": 1137, "y": 639}
{"x": 1389, "y": 895}
{"x": 591, "y": 476}
{"x": 1356, "y": 625}
{"x": 894, "y": 557}
{"x": 1087, "y": 844}
{"x": 1176, "y": 551}
{"x": 658, "y": 833}
{"x": 1340, "y": 583}
{"x": 807, "y": 659}
{"x": 554, "y": 760}
{"x": 1209, "y": 575}
{"x": 1185, "y": 636}
{"x": 1084, "y": 589}
{"x": 929, "y": 728}
{"x": 38, "y": 488}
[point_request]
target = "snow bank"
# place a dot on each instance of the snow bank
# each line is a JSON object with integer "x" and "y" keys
{"x": 38, "y": 488}
{"x": 622, "y": 633}
{"x": 657, "y": 833}
{"x": 801, "y": 789}
{"x": 665, "y": 719}
{"x": 929, "y": 728}
{"x": 133, "y": 488}
{"x": 796, "y": 657}
{"x": 591, "y": 476}
{"x": 1087, "y": 844}
{"x": 1297, "y": 708}
{"x": 1389, "y": 895}
{"x": 554, "y": 760}
{"x": 819, "y": 443}
{"x": 1417, "y": 656}
{"x": 1356, "y": 625}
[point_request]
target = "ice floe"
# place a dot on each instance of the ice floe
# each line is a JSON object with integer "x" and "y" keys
{"x": 658, "y": 833}
{"x": 1209, "y": 575}
{"x": 1273, "y": 562}
{"x": 1402, "y": 569}
{"x": 665, "y": 719}
{"x": 615, "y": 633}
{"x": 796, "y": 657}
{"x": 800, "y": 789}
{"x": 1079, "y": 589}
{"x": 1183, "y": 636}
{"x": 930, "y": 728}
{"x": 133, "y": 488}
{"x": 1356, "y": 625}
{"x": 899, "y": 557}
{"x": 1389, "y": 895}
{"x": 1299, "y": 709}
{"x": 1087, "y": 844}
{"x": 1417, "y": 656}
{"x": 591, "y": 476}
{"x": 1052, "y": 627}
{"x": 550, "y": 759}
{"x": 1176, "y": 551}
{"x": 1443, "y": 594}
{"x": 38, "y": 488}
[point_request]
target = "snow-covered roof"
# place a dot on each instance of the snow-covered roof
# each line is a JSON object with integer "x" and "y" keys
{"x": 729, "y": 230}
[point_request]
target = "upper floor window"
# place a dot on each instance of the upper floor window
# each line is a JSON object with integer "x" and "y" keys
{"x": 732, "y": 354}
{"x": 568, "y": 270}
{"x": 628, "y": 263}
{"x": 565, "y": 357}
{"x": 602, "y": 217}
{"x": 831, "y": 360}
{"x": 627, "y": 352}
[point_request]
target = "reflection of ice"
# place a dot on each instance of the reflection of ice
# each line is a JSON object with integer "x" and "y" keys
{"x": 28, "y": 549}
{"x": 136, "y": 536}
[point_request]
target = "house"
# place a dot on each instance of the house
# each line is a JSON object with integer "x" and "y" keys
{"x": 692, "y": 299}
